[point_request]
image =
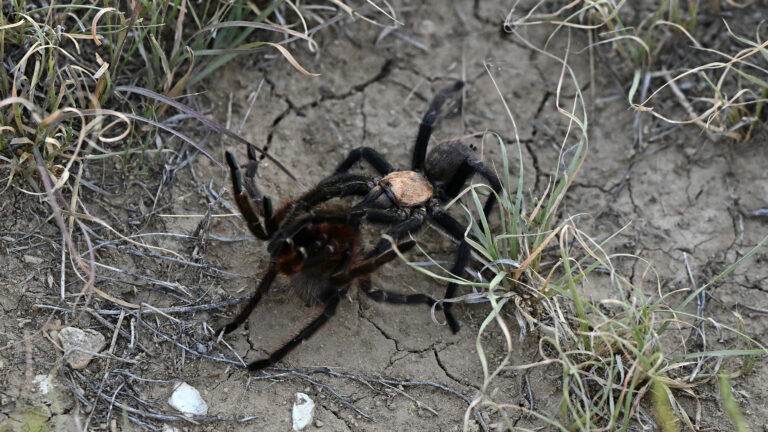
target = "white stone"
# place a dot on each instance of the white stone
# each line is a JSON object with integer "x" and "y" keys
{"x": 44, "y": 384}
{"x": 303, "y": 410}
{"x": 75, "y": 341}
{"x": 186, "y": 399}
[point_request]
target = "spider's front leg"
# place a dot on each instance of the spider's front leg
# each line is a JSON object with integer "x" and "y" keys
{"x": 364, "y": 268}
{"x": 336, "y": 186}
{"x": 252, "y": 204}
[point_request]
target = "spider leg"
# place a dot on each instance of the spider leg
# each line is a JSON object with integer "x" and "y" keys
{"x": 410, "y": 225}
{"x": 262, "y": 288}
{"x": 369, "y": 265}
{"x": 452, "y": 188}
{"x": 372, "y": 156}
{"x": 483, "y": 169}
{"x": 249, "y": 199}
{"x": 250, "y": 184}
{"x": 336, "y": 186}
{"x": 454, "y": 228}
{"x": 428, "y": 122}
{"x": 330, "y": 309}
{"x": 469, "y": 167}
{"x": 382, "y": 296}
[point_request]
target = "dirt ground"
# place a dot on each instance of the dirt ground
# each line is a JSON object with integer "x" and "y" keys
{"x": 680, "y": 192}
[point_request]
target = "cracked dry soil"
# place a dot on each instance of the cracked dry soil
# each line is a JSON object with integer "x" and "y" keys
{"x": 681, "y": 194}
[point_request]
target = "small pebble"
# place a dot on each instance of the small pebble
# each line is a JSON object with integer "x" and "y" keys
{"x": 319, "y": 424}
{"x": 187, "y": 400}
{"x": 75, "y": 341}
{"x": 428, "y": 27}
{"x": 303, "y": 410}
{"x": 29, "y": 259}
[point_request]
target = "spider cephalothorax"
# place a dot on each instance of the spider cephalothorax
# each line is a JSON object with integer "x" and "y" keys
{"x": 319, "y": 247}
{"x": 402, "y": 189}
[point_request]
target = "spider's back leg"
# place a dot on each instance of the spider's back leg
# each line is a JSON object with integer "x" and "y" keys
{"x": 330, "y": 310}
{"x": 455, "y": 229}
{"x": 262, "y": 288}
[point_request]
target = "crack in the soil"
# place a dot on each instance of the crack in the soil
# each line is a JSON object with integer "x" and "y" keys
{"x": 381, "y": 330}
{"x": 448, "y": 374}
{"x": 754, "y": 286}
{"x": 280, "y": 117}
{"x": 535, "y": 162}
{"x": 340, "y": 417}
{"x": 631, "y": 195}
{"x": 385, "y": 70}
{"x": 602, "y": 189}
{"x": 543, "y": 103}
{"x": 365, "y": 120}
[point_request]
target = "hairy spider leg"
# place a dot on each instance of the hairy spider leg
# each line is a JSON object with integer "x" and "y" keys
{"x": 262, "y": 288}
{"x": 373, "y": 157}
{"x": 278, "y": 265}
{"x": 455, "y": 229}
{"x": 470, "y": 167}
{"x": 428, "y": 123}
{"x": 341, "y": 280}
{"x": 250, "y": 184}
{"x": 411, "y": 225}
{"x": 337, "y": 186}
{"x": 251, "y": 203}
{"x": 384, "y": 296}
{"x": 369, "y": 265}
{"x": 330, "y": 310}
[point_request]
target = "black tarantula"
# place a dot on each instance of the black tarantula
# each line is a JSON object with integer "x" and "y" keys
{"x": 320, "y": 246}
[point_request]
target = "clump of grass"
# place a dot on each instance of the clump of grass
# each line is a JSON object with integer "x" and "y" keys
{"x": 62, "y": 66}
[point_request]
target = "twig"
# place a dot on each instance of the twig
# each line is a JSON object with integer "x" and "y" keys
{"x": 171, "y": 310}
{"x": 185, "y": 348}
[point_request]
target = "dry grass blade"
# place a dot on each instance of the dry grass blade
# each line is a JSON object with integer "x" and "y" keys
{"x": 208, "y": 122}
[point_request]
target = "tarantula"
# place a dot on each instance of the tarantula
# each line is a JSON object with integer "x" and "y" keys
{"x": 319, "y": 247}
